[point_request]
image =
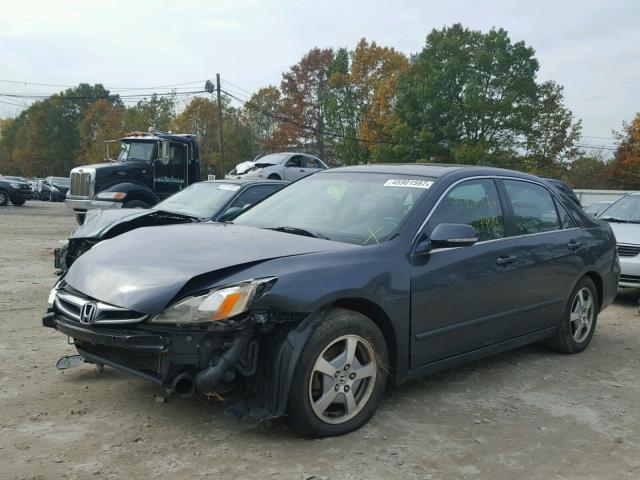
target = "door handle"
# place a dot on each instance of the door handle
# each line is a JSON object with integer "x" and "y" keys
{"x": 506, "y": 259}
{"x": 573, "y": 245}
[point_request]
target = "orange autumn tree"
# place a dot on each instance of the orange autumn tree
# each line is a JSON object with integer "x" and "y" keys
{"x": 624, "y": 170}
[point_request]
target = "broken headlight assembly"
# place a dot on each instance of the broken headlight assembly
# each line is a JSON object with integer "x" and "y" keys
{"x": 217, "y": 304}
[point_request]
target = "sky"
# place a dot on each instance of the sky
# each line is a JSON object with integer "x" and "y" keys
{"x": 592, "y": 48}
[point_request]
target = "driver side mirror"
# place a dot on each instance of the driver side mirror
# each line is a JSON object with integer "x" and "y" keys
{"x": 230, "y": 214}
{"x": 447, "y": 235}
{"x": 164, "y": 152}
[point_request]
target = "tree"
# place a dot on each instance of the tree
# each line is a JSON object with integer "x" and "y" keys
{"x": 260, "y": 114}
{"x": 101, "y": 122}
{"x": 625, "y": 168}
{"x": 156, "y": 112}
{"x": 588, "y": 171}
{"x": 465, "y": 86}
{"x": 551, "y": 141}
{"x": 303, "y": 89}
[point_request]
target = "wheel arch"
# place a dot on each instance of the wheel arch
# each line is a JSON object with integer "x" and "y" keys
{"x": 597, "y": 281}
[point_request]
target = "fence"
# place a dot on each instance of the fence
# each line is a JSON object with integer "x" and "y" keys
{"x": 588, "y": 197}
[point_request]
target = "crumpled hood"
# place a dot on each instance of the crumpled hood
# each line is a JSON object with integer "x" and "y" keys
{"x": 626, "y": 232}
{"x": 98, "y": 222}
{"x": 144, "y": 269}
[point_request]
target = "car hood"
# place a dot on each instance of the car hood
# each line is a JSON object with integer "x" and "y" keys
{"x": 144, "y": 269}
{"x": 97, "y": 223}
{"x": 626, "y": 232}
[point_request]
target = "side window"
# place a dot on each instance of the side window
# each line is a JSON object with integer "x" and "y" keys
{"x": 311, "y": 162}
{"x": 533, "y": 207}
{"x": 565, "y": 219}
{"x": 253, "y": 195}
{"x": 294, "y": 162}
{"x": 475, "y": 203}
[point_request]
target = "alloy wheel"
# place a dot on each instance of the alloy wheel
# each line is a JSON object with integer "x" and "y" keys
{"x": 582, "y": 313}
{"x": 342, "y": 379}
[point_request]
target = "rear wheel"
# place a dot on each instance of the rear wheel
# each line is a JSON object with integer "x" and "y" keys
{"x": 135, "y": 204}
{"x": 341, "y": 376}
{"x": 579, "y": 318}
{"x": 4, "y": 198}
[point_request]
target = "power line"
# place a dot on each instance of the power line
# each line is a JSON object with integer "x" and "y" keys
{"x": 17, "y": 82}
{"x": 98, "y": 97}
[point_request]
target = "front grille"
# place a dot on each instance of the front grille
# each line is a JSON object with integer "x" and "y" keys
{"x": 80, "y": 184}
{"x": 628, "y": 250}
{"x": 148, "y": 362}
{"x": 70, "y": 305}
{"x": 630, "y": 278}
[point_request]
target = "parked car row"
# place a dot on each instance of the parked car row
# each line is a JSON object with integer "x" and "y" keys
{"x": 314, "y": 300}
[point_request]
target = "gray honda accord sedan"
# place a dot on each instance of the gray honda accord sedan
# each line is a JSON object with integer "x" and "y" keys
{"x": 351, "y": 280}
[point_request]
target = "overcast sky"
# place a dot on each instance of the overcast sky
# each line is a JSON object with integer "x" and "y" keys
{"x": 590, "y": 47}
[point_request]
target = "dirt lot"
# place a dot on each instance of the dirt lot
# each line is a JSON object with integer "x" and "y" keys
{"x": 527, "y": 414}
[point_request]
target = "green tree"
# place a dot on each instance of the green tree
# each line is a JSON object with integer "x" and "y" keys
{"x": 588, "y": 171}
{"x": 101, "y": 122}
{"x": 465, "y": 87}
{"x": 156, "y": 112}
{"x": 259, "y": 113}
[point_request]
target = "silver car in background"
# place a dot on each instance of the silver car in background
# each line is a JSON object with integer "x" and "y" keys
{"x": 624, "y": 217}
{"x": 279, "y": 166}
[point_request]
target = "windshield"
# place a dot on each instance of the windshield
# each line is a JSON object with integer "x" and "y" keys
{"x": 64, "y": 181}
{"x": 201, "y": 200}
{"x": 136, "y": 151}
{"x": 17, "y": 179}
{"x": 627, "y": 209}
{"x": 359, "y": 208}
{"x": 274, "y": 158}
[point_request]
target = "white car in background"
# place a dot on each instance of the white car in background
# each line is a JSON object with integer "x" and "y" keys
{"x": 624, "y": 217}
{"x": 279, "y": 166}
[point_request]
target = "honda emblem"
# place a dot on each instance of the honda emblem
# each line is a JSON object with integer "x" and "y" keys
{"x": 88, "y": 313}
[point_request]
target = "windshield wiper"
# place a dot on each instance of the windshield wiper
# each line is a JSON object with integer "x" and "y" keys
{"x": 178, "y": 214}
{"x": 299, "y": 231}
{"x": 618, "y": 220}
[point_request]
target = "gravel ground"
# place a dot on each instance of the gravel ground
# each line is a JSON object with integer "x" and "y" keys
{"x": 529, "y": 414}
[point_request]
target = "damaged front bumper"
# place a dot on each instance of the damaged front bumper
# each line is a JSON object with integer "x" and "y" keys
{"x": 183, "y": 361}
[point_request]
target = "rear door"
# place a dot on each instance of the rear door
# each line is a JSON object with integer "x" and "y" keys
{"x": 550, "y": 251}
{"x": 465, "y": 298}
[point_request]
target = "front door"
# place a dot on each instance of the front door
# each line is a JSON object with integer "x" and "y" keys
{"x": 170, "y": 175}
{"x": 465, "y": 298}
{"x": 294, "y": 168}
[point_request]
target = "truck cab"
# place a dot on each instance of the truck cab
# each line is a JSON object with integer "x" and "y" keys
{"x": 148, "y": 168}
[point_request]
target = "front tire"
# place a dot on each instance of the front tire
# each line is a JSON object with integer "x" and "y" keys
{"x": 274, "y": 176}
{"x": 4, "y": 198}
{"x": 341, "y": 376}
{"x": 579, "y": 319}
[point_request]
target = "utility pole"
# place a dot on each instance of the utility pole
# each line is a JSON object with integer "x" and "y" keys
{"x": 222, "y": 170}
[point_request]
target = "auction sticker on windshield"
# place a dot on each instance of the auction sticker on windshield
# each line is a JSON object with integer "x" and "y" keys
{"x": 403, "y": 182}
{"x": 226, "y": 186}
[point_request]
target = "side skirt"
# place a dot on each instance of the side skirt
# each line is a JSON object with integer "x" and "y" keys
{"x": 456, "y": 360}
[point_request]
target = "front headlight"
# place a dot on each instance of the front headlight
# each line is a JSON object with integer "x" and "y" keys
{"x": 52, "y": 296}
{"x": 110, "y": 195}
{"x": 217, "y": 304}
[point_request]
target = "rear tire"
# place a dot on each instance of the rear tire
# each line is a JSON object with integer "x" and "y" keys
{"x": 4, "y": 198}
{"x": 345, "y": 362}
{"x": 135, "y": 204}
{"x": 579, "y": 319}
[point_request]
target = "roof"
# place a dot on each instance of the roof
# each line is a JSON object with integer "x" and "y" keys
{"x": 247, "y": 181}
{"x": 434, "y": 170}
